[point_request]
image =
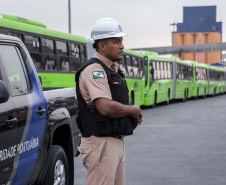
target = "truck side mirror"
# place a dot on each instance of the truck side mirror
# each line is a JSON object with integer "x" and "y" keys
{"x": 4, "y": 93}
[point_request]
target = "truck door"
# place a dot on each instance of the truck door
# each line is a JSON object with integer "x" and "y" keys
{"x": 30, "y": 113}
{"x": 8, "y": 136}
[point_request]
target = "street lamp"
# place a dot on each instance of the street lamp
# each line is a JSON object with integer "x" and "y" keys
{"x": 197, "y": 54}
{"x": 174, "y": 26}
{"x": 69, "y": 15}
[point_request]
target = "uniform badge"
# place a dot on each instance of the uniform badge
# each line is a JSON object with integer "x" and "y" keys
{"x": 98, "y": 74}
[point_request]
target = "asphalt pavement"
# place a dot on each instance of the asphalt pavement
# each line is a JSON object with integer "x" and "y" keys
{"x": 183, "y": 143}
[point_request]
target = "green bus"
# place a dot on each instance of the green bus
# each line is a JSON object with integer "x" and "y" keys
{"x": 213, "y": 80}
{"x": 56, "y": 55}
{"x": 224, "y": 80}
{"x": 167, "y": 78}
{"x": 200, "y": 80}
{"x": 158, "y": 79}
{"x": 221, "y": 80}
{"x": 183, "y": 77}
{"x": 132, "y": 65}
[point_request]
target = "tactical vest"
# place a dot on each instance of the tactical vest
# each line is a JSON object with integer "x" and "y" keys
{"x": 90, "y": 121}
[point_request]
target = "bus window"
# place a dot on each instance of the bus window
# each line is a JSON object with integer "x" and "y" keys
{"x": 61, "y": 48}
{"x": 158, "y": 70}
{"x": 37, "y": 59}
{"x": 161, "y": 70}
{"x": 32, "y": 43}
{"x": 196, "y": 73}
{"x": 185, "y": 76}
{"x": 179, "y": 71}
{"x": 190, "y": 73}
{"x": 15, "y": 35}
{"x": 64, "y": 63}
{"x": 135, "y": 67}
{"x": 155, "y": 69}
{"x": 122, "y": 65}
{"x": 129, "y": 68}
{"x": 75, "y": 62}
{"x": 165, "y": 70}
{"x": 47, "y": 46}
{"x": 50, "y": 63}
{"x": 74, "y": 50}
{"x": 83, "y": 53}
{"x": 168, "y": 70}
{"x": 140, "y": 68}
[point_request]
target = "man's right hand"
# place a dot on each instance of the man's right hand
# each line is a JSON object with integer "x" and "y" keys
{"x": 113, "y": 109}
{"x": 136, "y": 114}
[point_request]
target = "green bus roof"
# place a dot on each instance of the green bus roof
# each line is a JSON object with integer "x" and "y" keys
{"x": 214, "y": 68}
{"x": 151, "y": 53}
{"x": 131, "y": 52}
{"x": 12, "y": 24}
{"x": 23, "y": 20}
{"x": 221, "y": 69}
{"x": 160, "y": 58}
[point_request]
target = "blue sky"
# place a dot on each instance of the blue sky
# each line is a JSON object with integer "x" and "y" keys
{"x": 145, "y": 21}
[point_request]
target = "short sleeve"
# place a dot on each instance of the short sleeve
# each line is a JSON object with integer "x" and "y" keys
{"x": 93, "y": 83}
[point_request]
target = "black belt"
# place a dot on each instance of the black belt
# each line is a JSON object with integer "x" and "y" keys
{"x": 119, "y": 137}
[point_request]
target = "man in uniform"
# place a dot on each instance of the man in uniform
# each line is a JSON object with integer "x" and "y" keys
{"x": 104, "y": 114}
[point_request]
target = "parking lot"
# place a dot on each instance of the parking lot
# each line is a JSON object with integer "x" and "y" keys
{"x": 178, "y": 144}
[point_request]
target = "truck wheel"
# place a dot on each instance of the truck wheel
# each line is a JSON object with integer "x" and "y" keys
{"x": 57, "y": 171}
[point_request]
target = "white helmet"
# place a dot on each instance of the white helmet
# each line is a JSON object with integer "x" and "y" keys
{"x": 106, "y": 28}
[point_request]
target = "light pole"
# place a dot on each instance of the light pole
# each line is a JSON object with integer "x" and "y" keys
{"x": 69, "y": 15}
{"x": 197, "y": 54}
{"x": 174, "y": 26}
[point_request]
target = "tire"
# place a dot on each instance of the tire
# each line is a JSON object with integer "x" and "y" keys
{"x": 197, "y": 95}
{"x": 204, "y": 95}
{"x": 57, "y": 170}
{"x": 214, "y": 92}
{"x": 168, "y": 99}
{"x": 154, "y": 102}
{"x": 185, "y": 97}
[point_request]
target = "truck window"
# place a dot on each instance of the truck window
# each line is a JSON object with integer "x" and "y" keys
{"x": 15, "y": 75}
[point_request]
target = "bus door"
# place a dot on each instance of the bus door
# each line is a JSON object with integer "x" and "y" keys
{"x": 225, "y": 81}
{"x": 145, "y": 68}
{"x": 208, "y": 78}
{"x": 174, "y": 78}
{"x": 152, "y": 68}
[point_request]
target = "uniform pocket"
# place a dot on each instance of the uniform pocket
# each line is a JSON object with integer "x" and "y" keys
{"x": 86, "y": 155}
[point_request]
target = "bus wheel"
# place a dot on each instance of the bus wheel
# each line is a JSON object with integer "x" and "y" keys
{"x": 57, "y": 171}
{"x": 185, "y": 97}
{"x": 168, "y": 99}
{"x": 197, "y": 95}
{"x": 214, "y": 92}
{"x": 131, "y": 101}
{"x": 154, "y": 102}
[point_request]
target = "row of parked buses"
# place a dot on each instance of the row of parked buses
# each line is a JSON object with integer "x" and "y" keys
{"x": 151, "y": 78}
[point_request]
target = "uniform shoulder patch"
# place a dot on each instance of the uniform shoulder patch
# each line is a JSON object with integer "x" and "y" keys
{"x": 98, "y": 74}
